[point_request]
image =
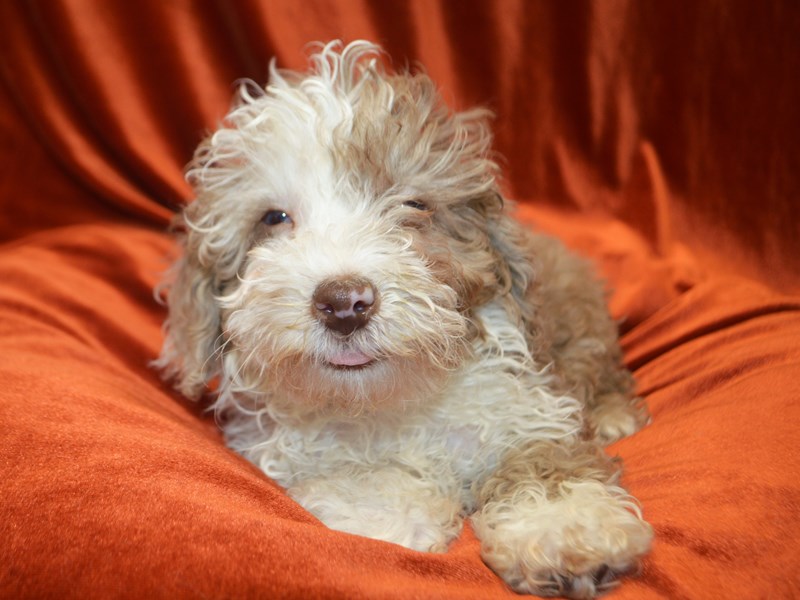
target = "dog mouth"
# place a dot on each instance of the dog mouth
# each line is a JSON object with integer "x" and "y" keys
{"x": 349, "y": 360}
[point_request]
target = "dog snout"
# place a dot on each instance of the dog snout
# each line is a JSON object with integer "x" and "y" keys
{"x": 345, "y": 305}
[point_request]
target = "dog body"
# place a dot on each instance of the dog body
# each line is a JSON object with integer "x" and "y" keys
{"x": 389, "y": 344}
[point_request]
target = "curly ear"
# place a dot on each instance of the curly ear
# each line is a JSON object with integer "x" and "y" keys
{"x": 190, "y": 355}
{"x": 516, "y": 267}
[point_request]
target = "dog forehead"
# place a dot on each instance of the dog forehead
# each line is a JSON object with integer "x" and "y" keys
{"x": 311, "y": 179}
{"x": 308, "y": 182}
{"x": 368, "y": 138}
{"x": 292, "y": 170}
{"x": 328, "y": 156}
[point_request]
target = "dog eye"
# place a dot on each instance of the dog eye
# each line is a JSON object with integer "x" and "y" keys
{"x": 276, "y": 217}
{"x": 418, "y": 204}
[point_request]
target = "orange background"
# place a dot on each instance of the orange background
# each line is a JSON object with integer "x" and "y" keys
{"x": 658, "y": 138}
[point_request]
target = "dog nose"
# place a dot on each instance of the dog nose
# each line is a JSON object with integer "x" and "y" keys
{"x": 345, "y": 305}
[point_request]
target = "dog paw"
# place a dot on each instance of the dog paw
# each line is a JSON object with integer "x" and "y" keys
{"x": 615, "y": 417}
{"x": 574, "y": 546}
{"x": 589, "y": 585}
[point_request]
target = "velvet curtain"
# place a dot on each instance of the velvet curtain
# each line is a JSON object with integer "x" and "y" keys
{"x": 679, "y": 117}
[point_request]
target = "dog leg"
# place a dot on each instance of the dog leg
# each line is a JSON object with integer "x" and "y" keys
{"x": 389, "y": 504}
{"x": 575, "y": 333}
{"x": 554, "y": 521}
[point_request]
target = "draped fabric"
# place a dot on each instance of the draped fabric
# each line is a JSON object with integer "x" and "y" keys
{"x": 658, "y": 139}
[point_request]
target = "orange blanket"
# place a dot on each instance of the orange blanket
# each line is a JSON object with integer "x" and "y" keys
{"x": 659, "y": 139}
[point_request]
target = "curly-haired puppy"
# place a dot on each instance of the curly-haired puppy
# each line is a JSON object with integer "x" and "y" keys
{"x": 387, "y": 343}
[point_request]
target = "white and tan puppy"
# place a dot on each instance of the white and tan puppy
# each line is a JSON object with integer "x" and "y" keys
{"x": 387, "y": 343}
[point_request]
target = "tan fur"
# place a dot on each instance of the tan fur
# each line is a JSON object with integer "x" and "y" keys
{"x": 488, "y": 374}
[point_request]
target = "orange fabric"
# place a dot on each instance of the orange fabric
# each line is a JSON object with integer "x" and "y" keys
{"x": 657, "y": 138}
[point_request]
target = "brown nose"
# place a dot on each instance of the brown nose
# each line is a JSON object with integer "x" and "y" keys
{"x": 346, "y": 304}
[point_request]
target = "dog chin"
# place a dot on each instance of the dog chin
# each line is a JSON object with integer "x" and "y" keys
{"x": 350, "y": 384}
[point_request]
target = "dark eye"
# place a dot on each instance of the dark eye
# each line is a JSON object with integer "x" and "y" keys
{"x": 418, "y": 204}
{"x": 276, "y": 217}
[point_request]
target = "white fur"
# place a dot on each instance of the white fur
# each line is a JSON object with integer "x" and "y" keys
{"x": 487, "y": 376}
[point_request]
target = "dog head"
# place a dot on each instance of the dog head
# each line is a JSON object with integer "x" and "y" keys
{"x": 346, "y": 225}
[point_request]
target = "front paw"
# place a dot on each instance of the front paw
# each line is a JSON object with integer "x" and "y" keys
{"x": 574, "y": 545}
{"x": 615, "y": 417}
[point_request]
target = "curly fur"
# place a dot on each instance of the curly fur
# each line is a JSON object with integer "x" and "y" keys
{"x": 489, "y": 373}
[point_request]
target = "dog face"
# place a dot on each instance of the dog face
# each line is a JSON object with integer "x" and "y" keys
{"x": 343, "y": 232}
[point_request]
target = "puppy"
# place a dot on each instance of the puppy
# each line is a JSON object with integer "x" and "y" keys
{"x": 387, "y": 343}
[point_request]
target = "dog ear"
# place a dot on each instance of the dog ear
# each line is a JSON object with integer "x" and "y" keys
{"x": 511, "y": 242}
{"x": 515, "y": 268}
{"x": 190, "y": 355}
{"x": 508, "y": 241}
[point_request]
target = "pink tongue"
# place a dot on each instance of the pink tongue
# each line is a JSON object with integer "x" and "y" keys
{"x": 350, "y": 358}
